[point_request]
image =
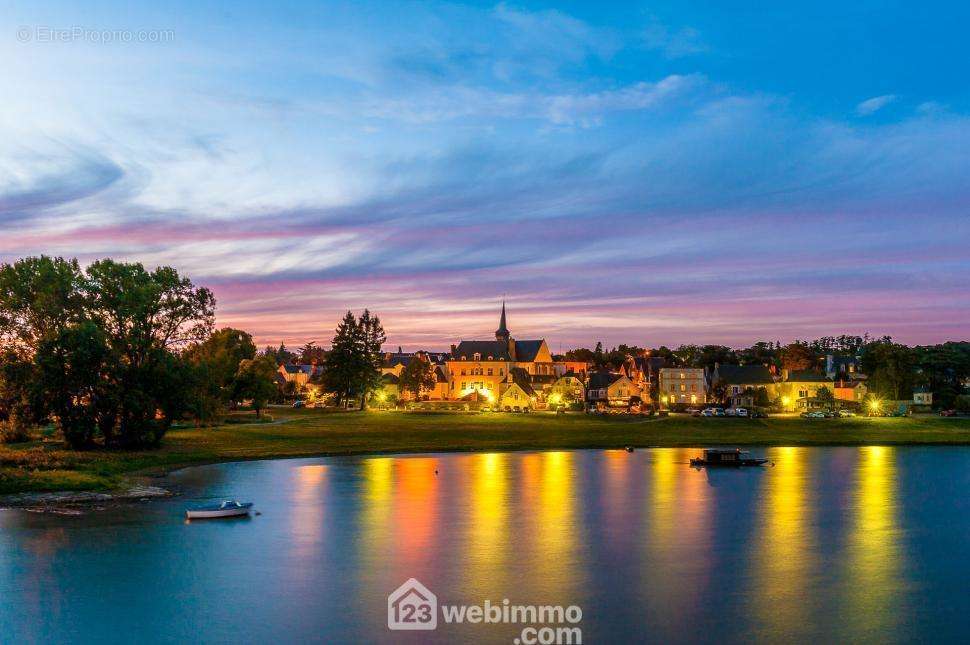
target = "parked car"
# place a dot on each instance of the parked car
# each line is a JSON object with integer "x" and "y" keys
{"x": 731, "y": 412}
{"x": 694, "y": 412}
{"x": 846, "y": 413}
{"x": 741, "y": 412}
{"x": 298, "y": 404}
{"x": 713, "y": 412}
{"x": 759, "y": 414}
{"x": 813, "y": 415}
{"x": 516, "y": 408}
{"x": 486, "y": 408}
{"x": 948, "y": 413}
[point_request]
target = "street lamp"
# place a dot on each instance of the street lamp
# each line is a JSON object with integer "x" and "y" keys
{"x": 874, "y": 406}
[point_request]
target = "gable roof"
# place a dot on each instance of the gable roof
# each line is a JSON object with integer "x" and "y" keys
{"x": 743, "y": 374}
{"x": 467, "y": 349}
{"x": 439, "y": 374}
{"x": 598, "y": 380}
{"x": 527, "y": 350}
{"x": 521, "y": 378}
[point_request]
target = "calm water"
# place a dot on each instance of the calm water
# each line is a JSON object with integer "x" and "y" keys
{"x": 846, "y": 544}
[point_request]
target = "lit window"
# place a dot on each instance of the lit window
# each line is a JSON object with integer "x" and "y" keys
{"x": 478, "y": 356}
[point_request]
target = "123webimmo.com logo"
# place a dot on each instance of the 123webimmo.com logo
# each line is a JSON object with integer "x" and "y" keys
{"x": 412, "y": 607}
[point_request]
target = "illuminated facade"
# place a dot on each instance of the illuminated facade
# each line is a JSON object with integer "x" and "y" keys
{"x": 683, "y": 385}
{"x": 490, "y": 366}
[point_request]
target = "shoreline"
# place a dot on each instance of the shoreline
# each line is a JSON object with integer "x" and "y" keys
{"x": 132, "y": 491}
{"x": 32, "y": 470}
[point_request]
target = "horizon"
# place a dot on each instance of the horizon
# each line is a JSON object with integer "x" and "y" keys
{"x": 638, "y": 175}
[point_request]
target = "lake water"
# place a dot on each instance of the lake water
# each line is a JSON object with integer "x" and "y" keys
{"x": 829, "y": 545}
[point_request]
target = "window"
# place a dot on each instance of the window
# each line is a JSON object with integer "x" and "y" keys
{"x": 693, "y": 387}
{"x": 683, "y": 387}
{"x": 478, "y": 356}
{"x": 682, "y": 375}
{"x": 490, "y": 371}
{"x": 463, "y": 372}
{"x": 501, "y": 372}
{"x": 463, "y": 385}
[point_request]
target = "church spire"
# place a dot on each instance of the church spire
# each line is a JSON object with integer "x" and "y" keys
{"x": 502, "y": 333}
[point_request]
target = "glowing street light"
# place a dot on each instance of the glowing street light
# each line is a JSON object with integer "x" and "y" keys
{"x": 874, "y": 406}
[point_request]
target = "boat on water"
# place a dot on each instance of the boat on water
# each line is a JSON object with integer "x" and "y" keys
{"x": 726, "y": 457}
{"x": 229, "y": 508}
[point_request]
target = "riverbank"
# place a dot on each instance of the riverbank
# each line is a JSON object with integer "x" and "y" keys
{"x": 47, "y": 466}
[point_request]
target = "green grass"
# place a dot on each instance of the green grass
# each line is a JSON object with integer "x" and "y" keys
{"x": 47, "y": 465}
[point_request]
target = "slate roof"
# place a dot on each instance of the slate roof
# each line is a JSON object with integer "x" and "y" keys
{"x": 598, "y": 380}
{"x": 807, "y": 376}
{"x": 743, "y": 375}
{"x": 521, "y": 378}
{"x": 439, "y": 374}
{"x": 526, "y": 350}
{"x": 467, "y": 349}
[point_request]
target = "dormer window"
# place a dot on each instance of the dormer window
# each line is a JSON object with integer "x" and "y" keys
{"x": 478, "y": 356}
{"x": 489, "y": 358}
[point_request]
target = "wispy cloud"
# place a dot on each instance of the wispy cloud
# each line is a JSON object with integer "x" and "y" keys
{"x": 873, "y": 105}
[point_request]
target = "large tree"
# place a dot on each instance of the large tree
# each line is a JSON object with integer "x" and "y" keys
{"x": 417, "y": 375}
{"x": 255, "y": 381}
{"x": 372, "y": 341}
{"x": 146, "y": 315}
{"x": 890, "y": 368}
{"x": 100, "y": 345}
{"x": 214, "y": 364}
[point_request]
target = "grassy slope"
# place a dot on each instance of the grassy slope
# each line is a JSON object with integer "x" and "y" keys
{"x": 311, "y": 432}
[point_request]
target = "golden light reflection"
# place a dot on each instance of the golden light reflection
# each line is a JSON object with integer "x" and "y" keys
{"x": 376, "y": 508}
{"x": 784, "y": 551}
{"x": 415, "y": 507}
{"x": 678, "y": 520}
{"x": 554, "y": 519}
{"x": 307, "y": 512}
{"x": 488, "y": 530}
{"x": 872, "y": 578}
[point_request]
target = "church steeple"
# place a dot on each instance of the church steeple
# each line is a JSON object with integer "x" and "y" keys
{"x": 502, "y": 333}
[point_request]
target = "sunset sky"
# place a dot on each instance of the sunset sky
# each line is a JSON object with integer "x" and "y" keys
{"x": 653, "y": 173}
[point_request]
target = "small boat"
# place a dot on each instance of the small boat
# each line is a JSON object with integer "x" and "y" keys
{"x": 726, "y": 457}
{"x": 225, "y": 509}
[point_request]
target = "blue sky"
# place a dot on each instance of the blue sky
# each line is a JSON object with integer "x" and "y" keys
{"x": 645, "y": 173}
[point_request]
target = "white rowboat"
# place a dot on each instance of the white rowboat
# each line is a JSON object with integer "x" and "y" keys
{"x": 225, "y": 509}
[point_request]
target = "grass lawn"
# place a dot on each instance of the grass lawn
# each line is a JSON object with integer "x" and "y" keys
{"x": 48, "y": 466}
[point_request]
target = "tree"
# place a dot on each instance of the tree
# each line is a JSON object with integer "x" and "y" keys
{"x": 310, "y": 353}
{"x": 890, "y": 368}
{"x": 344, "y": 360}
{"x": 214, "y": 363}
{"x": 255, "y": 380}
{"x": 797, "y": 356}
{"x": 372, "y": 342}
{"x": 417, "y": 375}
{"x": 719, "y": 391}
{"x": 38, "y": 298}
{"x": 146, "y": 315}
{"x": 761, "y": 397}
{"x": 825, "y": 396}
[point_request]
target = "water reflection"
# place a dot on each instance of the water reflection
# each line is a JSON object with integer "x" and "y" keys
{"x": 783, "y": 552}
{"x": 874, "y": 556}
{"x": 487, "y": 536}
{"x": 653, "y": 550}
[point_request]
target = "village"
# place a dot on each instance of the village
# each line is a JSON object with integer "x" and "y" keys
{"x": 505, "y": 374}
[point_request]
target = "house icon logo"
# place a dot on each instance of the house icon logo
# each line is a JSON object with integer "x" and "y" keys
{"x": 412, "y": 606}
